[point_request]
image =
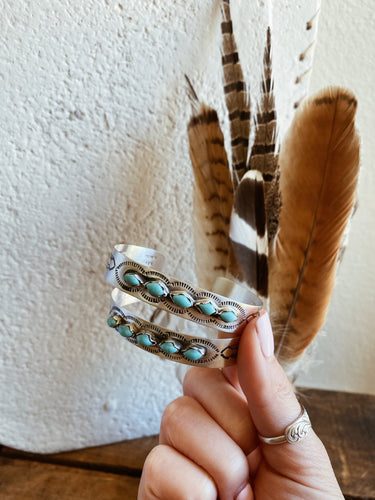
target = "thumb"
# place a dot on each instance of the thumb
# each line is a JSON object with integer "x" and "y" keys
{"x": 273, "y": 406}
{"x": 272, "y": 402}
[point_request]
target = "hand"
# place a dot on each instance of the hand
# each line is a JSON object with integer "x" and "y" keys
{"x": 209, "y": 446}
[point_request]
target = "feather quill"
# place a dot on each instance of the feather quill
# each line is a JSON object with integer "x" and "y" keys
{"x": 213, "y": 195}
{"x": 319, "y": 166}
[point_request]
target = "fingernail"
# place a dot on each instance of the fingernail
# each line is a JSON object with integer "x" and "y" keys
{"x": 265, "y": 335}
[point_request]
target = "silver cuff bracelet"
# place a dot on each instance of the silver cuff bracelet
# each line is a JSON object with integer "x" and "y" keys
{"x": 137, "y": 271}
{"x": 167, "y": 343}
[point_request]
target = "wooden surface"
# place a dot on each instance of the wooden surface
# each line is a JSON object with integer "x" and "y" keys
{"x": 32, "y": 480}
{"x": 345, "y": 423}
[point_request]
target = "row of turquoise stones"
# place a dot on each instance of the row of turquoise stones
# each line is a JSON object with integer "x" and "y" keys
{"x": 193, "y": 352}
{"x": 182, "y": 299}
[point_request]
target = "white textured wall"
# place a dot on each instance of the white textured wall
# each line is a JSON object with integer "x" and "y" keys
{"x": 93, "y": 113}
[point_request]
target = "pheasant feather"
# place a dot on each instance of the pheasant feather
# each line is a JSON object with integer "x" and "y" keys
{"x": 213, "y": 195}
{"x": 264, "y": 156}
{"x": 319, "y": 166}
{"x": 256, "y": 200}
{"x": 241, "y": 248}
{"x": 248, "y": 253}
{"x": 236, "y": 96}
{"x": 286, "y": 252}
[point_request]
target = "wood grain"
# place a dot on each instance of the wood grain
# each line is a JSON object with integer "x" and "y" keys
{"x": 29, "y": 480}
{"x": 126, "y": 457}
{"x": 345, "y": 422}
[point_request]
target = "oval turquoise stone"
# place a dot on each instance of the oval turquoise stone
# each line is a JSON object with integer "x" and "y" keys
{"x": 228, "y": 316}
{"x": 155, "y": 289}
{"x": 194, "y": 353}
{"x": 132, "y": 279}
{"x": 182, "y": 300}
{"x": 124, "y": 331}
{"x": 112, "y": 322}
{"x": 145, "y": 340}
{"x": 169, "y": 347}
{"x": 207, "y": 308}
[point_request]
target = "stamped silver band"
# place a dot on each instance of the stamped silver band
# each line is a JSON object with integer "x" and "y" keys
{"x": 138, "y": 271}
{"x": 166, "y": 343}
{"x": 296, "y": 431}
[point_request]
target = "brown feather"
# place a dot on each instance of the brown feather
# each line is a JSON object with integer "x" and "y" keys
{"x": 319, "y": 165}
{"x": 213, "y": 195}
{"x": 256, "y": 200}
{"x": 237, "y": 97}
{"x": 264, "y": 155}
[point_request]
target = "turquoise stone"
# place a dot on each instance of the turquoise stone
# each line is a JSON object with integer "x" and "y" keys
{"x": 132, "y": 279}
{"x": 124, "y": 330}
{"x": 112, "y": 322}
{"x": 170, "y": 347}
{"x": 155, "y": 289}
{"x": 194, "y": 353}
{"x": 228, "y": 316}
{"x": 182, "y": 300}
{"x": 145, "y": 340}
{"x": 207, "y": 308}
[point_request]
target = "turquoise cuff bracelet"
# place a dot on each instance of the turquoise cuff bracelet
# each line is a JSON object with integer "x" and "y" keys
{"x": 167, "y": 343}
{"x": 137, "y": 271}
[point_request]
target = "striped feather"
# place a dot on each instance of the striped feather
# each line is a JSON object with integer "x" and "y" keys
{"x": 213, "y": 195}
{"x": 248, "y": 253}
{"x": 257, "y": 201}
{"x": 236, "y": 96}
{"x": 264, "y": 157}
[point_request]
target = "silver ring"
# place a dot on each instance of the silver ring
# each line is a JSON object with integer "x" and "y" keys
{"x": 296, "y": 431}
{"x": 137, "y": 271}
{"x": 166, "y": 343}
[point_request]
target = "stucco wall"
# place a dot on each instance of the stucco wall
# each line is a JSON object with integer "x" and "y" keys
{"x": 93, "y": 114}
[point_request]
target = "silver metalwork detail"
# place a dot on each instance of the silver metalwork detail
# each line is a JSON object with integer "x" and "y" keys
{"x": 215, "y": 353}
{"x": 296, "y": 431}
{"x": 121, "y": 263}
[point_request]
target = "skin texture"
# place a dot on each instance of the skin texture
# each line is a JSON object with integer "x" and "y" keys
{"x": 209, "y": 447}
